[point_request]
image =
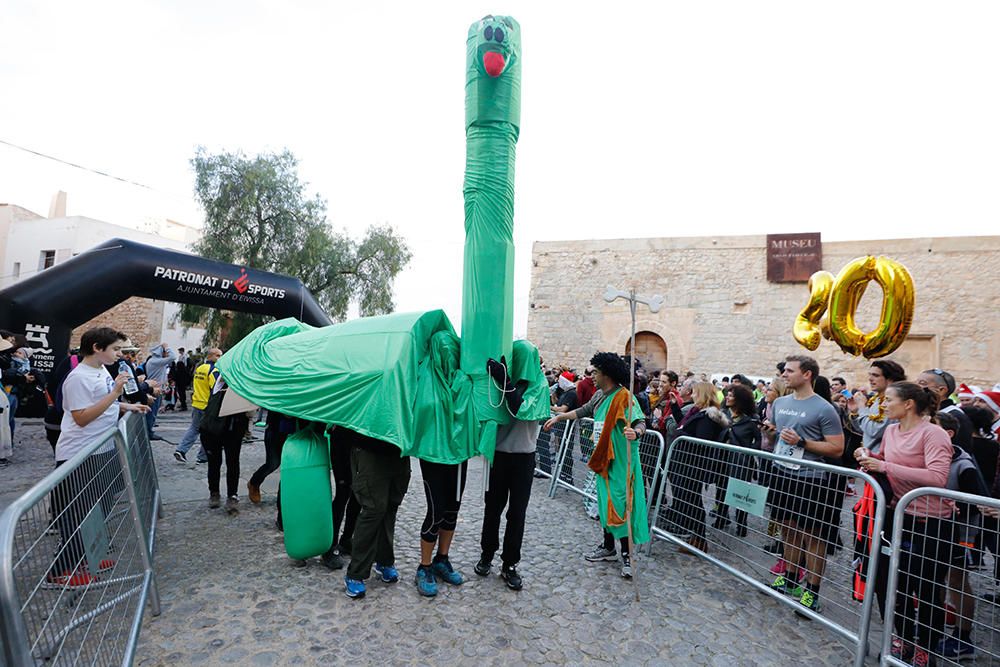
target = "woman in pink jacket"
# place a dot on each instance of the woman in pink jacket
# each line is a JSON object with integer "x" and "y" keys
{"x": 917, "y": 453}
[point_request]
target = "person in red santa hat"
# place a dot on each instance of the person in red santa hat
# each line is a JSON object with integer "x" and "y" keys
{"x": 991, "y": 401}
{"x": 966, "y": 395}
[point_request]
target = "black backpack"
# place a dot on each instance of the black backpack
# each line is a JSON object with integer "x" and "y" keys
{"x": 211, "y": 422}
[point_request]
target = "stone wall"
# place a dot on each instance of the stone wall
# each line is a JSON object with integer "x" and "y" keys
{"x": 722, "y": 316}
{"x": 139, "y": 319}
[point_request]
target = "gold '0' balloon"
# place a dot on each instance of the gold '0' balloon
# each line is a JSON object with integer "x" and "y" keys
{"x": 808, "y": 325}
{"x": 842, "y": 302}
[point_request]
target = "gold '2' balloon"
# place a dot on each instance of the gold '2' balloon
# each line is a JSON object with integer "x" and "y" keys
{"x": 841, "y": 296}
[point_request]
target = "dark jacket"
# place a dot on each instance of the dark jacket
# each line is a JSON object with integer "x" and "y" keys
{"x": 744, "y": 432}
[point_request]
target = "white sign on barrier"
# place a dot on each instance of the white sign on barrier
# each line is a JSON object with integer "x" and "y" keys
{"x": 746, "y": 496}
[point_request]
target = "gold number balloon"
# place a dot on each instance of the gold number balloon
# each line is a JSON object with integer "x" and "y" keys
{"x": 809, "y": 324}
{"x": 839, "y": 298}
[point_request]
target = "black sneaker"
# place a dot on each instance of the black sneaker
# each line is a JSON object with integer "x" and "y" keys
{"x": 179, "y": 455}
{"x": 484, "y": 566}
{"x": 509, "y": 574}
{"x": 332, "y": 560}
{"x": 4, "y": 463}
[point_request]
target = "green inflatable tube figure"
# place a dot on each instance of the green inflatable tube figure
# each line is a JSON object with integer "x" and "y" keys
{"x": 492, "y": 124}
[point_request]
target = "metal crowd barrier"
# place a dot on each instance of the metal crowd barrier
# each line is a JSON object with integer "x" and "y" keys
{"x": 943, "y": 573}
{"x": 577, "y": 447}
{"x": 75, "y": 565}
{"x": 548, "y": 445}
{"x": 147, "y": 485}
{"x": 725, "y": 504}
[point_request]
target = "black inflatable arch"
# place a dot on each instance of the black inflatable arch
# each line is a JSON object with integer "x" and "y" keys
{"x": 49, "y": 305}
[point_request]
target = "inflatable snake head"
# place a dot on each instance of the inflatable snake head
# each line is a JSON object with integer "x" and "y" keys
{"x": 493, "y": 71}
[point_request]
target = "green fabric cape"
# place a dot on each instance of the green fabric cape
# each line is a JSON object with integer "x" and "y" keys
{"x": 394, "y": 378}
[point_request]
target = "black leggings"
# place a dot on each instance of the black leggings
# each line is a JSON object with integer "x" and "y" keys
{"x": 926, "y": 554}
{"x": 609, "y": 542}
{"x": 346, "y": 507}
{"x": 444, "y": 497}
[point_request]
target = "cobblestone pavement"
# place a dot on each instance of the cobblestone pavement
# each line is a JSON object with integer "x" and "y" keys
{"x": 230, "y": 595}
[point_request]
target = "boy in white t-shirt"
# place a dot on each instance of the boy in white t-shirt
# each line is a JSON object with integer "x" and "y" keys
{"x": 91, "y": 408}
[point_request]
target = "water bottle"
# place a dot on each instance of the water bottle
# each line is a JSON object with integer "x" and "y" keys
{"x": 130, "y": 386}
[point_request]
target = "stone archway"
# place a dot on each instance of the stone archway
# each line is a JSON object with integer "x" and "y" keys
{"x": 650, "y": 349}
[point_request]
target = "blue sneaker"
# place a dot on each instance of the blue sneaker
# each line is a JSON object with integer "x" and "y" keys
{"x": 389, "y": 573}
{"x": 443, "y": 569}
{"x": 354, "y": 588}
{"x": 425, "y": 582}
{"x": 954, "y": 648}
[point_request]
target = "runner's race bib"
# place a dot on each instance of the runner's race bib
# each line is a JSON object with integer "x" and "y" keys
{"x": 793, "y": 451}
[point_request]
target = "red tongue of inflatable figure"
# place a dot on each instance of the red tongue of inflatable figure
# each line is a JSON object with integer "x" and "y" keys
{"x": 493, "y": 63}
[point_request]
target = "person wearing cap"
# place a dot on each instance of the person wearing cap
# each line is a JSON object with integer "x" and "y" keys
{"x": 966, "y": 394}
{"x": 568, "y": 400}
{"x": 942, "y": 383}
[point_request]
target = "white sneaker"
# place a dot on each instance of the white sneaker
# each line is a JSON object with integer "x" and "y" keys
{"x": 626, "y": 567}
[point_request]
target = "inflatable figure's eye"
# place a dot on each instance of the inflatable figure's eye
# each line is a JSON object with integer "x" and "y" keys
{"x": 497, "y": 35}
{"x": 488, "y": 33}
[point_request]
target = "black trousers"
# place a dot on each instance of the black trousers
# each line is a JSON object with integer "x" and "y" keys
{"x": 346, "y": 507}
{"x": 229, "y": 442}
{"x": 380, "y": 482}
{"x": 180, "y": 394}
{"x": 274, "y": 441}
{"x": 511, "y": 479}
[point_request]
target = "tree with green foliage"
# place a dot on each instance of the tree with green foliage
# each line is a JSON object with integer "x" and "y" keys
{"x": 259, "y": 215}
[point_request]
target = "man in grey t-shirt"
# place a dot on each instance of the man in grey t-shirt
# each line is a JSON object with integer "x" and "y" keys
{"x": 804, "y": 501}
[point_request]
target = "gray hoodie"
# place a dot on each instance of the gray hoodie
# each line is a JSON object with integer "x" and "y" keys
{"x": 158, "y": 364}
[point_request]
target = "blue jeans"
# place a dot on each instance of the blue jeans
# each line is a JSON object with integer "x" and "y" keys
{"x": 192, "y": 434}
{"x": 12, "y": 398}
{"x": 151, "y": 415}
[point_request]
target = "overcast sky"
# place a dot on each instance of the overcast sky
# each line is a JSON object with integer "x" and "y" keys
{"x": 856, "y": 119}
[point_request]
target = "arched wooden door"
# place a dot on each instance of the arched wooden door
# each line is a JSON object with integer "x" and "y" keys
{"x": 650, "y": 349}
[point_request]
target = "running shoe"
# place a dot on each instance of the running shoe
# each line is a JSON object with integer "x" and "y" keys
{"x": 354, "y": 588}
{"x": 922, "y": 658}
{"x": 214, "y": 500}
{"x": 426, "y": 584}
{"x": 809, "y": 599}
{"x": 232, "y": 505}
{"x": 443, "y": 570}
{"x": 602, "y": 553}
{"x": 484, "y": 566}
{"x": 901, "y": 650}
{"x": 180, "y": 456}
{"x": 71, "y": 579}
{"x": 626, "y": 567}
{"x": 389, "y": 573}
{"x": 513, "y": 580}
{"x": 786, "y": 586}
{"x": 332, "y": 560}
{"x": 954, "y": 648}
